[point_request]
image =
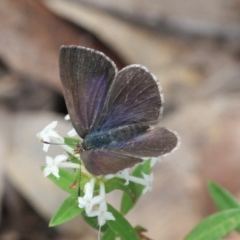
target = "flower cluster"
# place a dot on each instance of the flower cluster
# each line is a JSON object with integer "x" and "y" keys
{"x": 94, "y": 205}
{"x": 88, "y": 201}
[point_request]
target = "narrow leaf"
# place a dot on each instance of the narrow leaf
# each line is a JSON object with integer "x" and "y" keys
{"x": 108, "y": 235}
{"x": 65, "y": 181}
{"x": 71, "y": 142}
{"x": 93, "y": 222}
{"x": 68, "y": 210}
{"x": 120, "y": 226}
{"x": 216, "y": 226}
{"x": 74, "y": 159}
{"x": 117, "y": 183}
{"x": 222, "y": 198}
{"x": 135, "y": 189}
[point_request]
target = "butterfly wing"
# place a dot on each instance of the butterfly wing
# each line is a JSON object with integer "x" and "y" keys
{"x": 86, "y": 76}
{"x": 97, "y": 100}
{"x": 135, "y": 96}
{"x": 118, "y": 156}
{"x": 155, "y": 142}
{"x": 101, "y": 162}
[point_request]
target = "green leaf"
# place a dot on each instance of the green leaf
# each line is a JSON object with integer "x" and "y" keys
{"x": 222, "y": 198}
{"x": 216, "y": 226}
{"x": 145, "y": 167}
{"x": 65, "y": 181}
{"x": 135, "y": 189}
{"x": 68, "y": 210}
{"x": 71, "y": 142}
{"x": 108, "y": 235}
{"x": 74, "y": 159}
{"x": 120, "y": 226}
{"x": 117, "y": 183}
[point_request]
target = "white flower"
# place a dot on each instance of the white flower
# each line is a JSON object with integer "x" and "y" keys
{"x": 154, "y": 160}
{"x": 88, "y": 201}
{"x": 52, "y": 165}
{"x": 148, "y": 182}
{"x": 48, "y": 135}
{"x": 102, "y": 190}
{"x": 102, "y": 214}
{"x": 72, "y": 133}
{"x": 109, "y": 176}
{"x": 124, "y": 174}
{"x": 67, "y": 117}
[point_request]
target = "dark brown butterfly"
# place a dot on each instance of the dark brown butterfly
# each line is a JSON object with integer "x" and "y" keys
{"x": 114, "y": 112}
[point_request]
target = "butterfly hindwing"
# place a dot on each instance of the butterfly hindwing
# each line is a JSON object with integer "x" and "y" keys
{"x": 154, "y": 143}
{"x": 101, "y": 162}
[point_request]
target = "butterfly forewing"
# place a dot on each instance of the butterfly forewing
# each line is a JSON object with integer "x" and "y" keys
{"x": 134, "y": 97}
{"x": 86, "y": 77}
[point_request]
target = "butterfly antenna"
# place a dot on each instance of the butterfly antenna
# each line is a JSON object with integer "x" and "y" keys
{"x": 46, "y": 142}
{"x": 54, "y": 143}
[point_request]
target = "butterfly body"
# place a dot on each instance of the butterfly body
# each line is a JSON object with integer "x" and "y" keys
{"x": 113, "y": 137}
{"x": 114, "y": 112}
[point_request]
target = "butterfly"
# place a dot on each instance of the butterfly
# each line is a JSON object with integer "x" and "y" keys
{"x": 114, "y": 112}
